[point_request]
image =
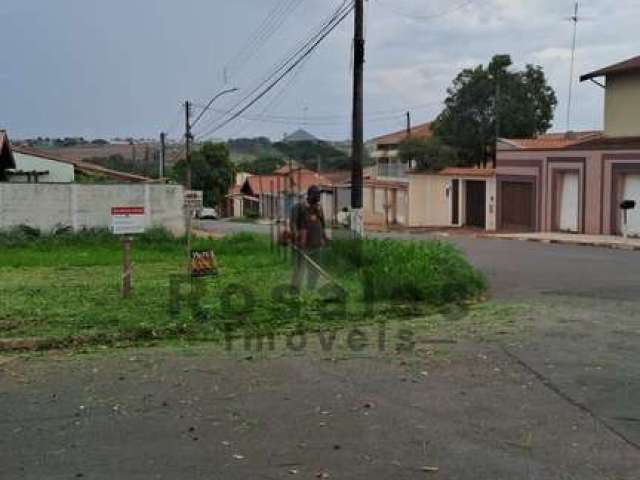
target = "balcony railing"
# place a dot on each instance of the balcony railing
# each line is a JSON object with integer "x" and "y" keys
{"x": 393, "y": 170}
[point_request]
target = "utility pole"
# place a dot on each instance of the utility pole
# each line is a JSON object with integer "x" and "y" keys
{"x": 357, "y": 140}
{"x": 408, "y": 124}
{"x": 163, "y": 152}
{"x": 188, "y": 137}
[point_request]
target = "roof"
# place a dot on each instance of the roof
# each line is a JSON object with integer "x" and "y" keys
{"x": 468, "y": 172}
{"x": 627, "y": 66}
{"x": 300, "y": 136}
{"x": 83, "y": 166}
{"x": 458, "y": 172}
{"x": 551, "y": 141}
{"x": 386, "y": 184}
{"x": 302, "y": 179}
{"x": 338, "y": 177}
{"x": 419, "y": 131}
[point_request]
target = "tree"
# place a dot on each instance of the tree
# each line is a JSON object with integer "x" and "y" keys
{"x": 428, "y": 154}
{"x": 311, "y": 154}
{"x": 523, "y": 101}
{"x": 262, "y": 165}
{"x": 211, "y": 171}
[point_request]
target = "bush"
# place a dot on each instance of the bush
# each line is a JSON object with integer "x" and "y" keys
{"x": 24, "y": 235}
{"x": 421, "y": 271}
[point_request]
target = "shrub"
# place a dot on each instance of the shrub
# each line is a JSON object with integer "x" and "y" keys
{"x": 419, "y": 271}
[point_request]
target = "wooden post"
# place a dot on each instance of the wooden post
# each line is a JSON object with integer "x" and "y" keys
{"x": 126, "y": 266}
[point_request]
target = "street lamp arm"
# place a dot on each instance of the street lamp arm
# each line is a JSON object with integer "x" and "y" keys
{"x": 208, "y": 106}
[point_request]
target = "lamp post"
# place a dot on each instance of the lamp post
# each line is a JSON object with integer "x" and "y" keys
{"x": 188, "y": 139}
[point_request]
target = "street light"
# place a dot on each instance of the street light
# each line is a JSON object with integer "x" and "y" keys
{"x": 204, "y": 110}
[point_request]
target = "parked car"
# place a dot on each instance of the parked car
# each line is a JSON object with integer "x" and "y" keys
{"x": 208, "y": 214}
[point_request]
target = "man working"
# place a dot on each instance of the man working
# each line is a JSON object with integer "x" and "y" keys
{"x": 307, "y": 227}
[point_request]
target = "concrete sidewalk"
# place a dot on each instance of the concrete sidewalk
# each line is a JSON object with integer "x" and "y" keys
{"x": 606, "y": 241}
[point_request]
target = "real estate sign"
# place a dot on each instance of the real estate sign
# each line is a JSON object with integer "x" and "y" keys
{"x": 127, "y": 220}
{"x": 203, "y": 263}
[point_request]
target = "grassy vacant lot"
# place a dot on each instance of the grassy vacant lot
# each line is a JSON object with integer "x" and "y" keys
{"x": 67, "y": 287}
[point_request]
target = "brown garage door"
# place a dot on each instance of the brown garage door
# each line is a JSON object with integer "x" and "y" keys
{"x": 517, "y": 206}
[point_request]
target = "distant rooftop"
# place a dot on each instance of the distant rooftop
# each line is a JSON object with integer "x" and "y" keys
{"x": 419, "y": 131}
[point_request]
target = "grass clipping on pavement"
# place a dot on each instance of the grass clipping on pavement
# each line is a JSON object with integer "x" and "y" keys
{"x": 67, "y": 287}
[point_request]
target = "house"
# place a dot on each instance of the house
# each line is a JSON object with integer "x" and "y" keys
{"x": 453, "y": 197}
{"x": 386, "y": 190}
{"x": 273, "y": 195}
{"x": 576, "y": 181}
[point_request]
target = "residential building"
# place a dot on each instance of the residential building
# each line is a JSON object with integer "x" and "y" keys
{"x": 386, "y": 189}
{"x": 22, "y": 164}
{"x": 273, "y": 195}
{"x": 576, "y": 181}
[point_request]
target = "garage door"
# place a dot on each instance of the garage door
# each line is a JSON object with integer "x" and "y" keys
{"x": 569, "y": 203}
{"x": 517, "y": 206}
{"x": 632, "y": 192}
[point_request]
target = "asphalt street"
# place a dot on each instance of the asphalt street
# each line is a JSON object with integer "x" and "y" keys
{"x": 557, "y": 399}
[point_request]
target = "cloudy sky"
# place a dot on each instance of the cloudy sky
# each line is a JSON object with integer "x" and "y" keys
{"x": 121, "y": 67}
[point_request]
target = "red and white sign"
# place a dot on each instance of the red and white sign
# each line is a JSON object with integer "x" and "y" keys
{"x": 127, "y": 220}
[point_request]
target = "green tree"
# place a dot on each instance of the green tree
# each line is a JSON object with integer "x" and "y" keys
{"x": 521, "y": 101}
{"x": 262, "y": 165}
{"x": 211, "y": 171}
{"x": 428, "y": 154}
{"x": 312, "y": 154}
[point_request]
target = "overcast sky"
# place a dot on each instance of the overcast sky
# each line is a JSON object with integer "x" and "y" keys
{"x": 122, "y": 67}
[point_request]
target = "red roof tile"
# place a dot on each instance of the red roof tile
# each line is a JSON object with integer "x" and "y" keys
{"x": 419, "y": 131}
{"x": 552, "y": 141}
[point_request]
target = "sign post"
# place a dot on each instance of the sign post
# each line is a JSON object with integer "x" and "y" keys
{"x": 127, "y": 221}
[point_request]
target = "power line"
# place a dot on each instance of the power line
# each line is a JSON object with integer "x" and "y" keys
{"x": 297, "y": 50}
{"x": 274, "y": 20}
{"x": 336, "y": 20}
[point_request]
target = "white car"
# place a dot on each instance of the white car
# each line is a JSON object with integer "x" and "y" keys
{"x": 208, "y": 214}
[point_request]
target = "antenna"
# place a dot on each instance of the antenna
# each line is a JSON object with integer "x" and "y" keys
{"x": 575, "y": 19}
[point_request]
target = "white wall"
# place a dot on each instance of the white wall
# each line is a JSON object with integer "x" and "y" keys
{"x": 47, "y": 206}
{"x": 59, "y": 172}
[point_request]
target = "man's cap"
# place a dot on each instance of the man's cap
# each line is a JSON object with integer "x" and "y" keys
{"x": 313, "y": 192}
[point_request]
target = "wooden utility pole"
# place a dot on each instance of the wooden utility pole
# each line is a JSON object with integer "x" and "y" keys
{"x": 163, "y": 152}
{"x": 408, "y": 124}
{"x": 188, "y": 137}
{"x": 187, "y": 141}
{"x": 357, "y": 138}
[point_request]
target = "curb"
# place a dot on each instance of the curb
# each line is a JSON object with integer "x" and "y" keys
{"x": 610, "y": 246}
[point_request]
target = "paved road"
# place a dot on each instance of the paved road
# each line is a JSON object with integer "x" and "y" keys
{"x": 559, "y": 400}
{"x": 521, "y": 270}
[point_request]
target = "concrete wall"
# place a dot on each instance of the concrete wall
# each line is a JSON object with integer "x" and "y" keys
{"x": 622, "y": 105}
{"x": 47, "y": 206}
{"x": 430, "y": 200}
{"x": 59, "y": 172}
{"x": 375, "y": 198}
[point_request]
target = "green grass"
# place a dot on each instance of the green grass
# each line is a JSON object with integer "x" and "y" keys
{"x": 67, "y": 286}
